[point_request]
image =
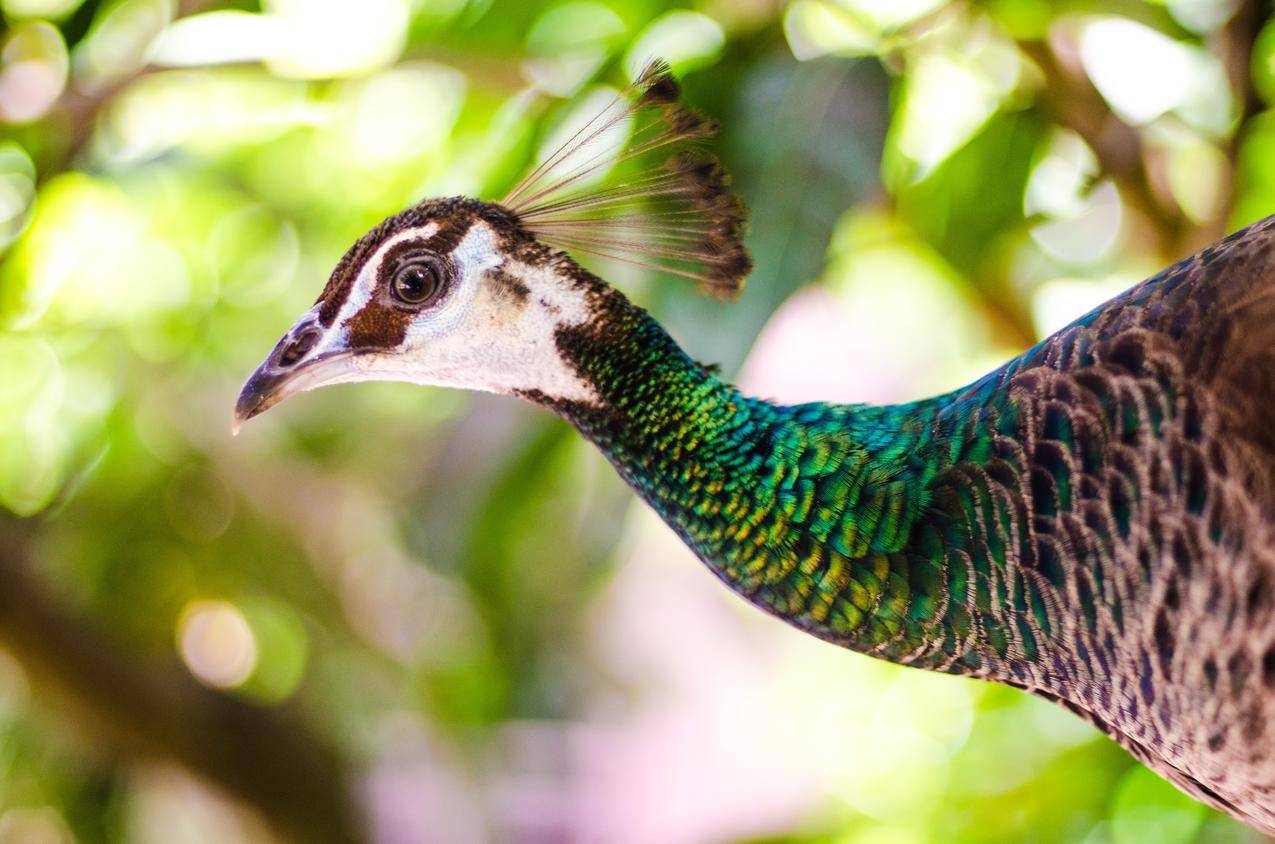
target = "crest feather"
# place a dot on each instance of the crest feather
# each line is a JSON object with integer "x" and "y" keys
{"x": 674, "y": 213}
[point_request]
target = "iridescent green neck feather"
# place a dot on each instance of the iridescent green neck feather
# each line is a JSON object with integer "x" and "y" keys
{"x": 823, "y": 515}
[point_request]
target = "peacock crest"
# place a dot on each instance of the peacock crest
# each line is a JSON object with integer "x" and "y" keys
{"x": 671, "y": 209}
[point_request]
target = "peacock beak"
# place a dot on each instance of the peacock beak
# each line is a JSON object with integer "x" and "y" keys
{"x": 304, "y": 359}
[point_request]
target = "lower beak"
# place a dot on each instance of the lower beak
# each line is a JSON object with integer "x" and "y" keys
{"x": 272, "y": 383}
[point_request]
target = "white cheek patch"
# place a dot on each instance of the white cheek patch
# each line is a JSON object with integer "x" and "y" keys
{"x": 482, "y": 338}
{"x": 524, "y": 335}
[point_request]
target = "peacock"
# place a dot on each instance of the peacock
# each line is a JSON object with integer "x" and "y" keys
{"x": 1093, "y": 522}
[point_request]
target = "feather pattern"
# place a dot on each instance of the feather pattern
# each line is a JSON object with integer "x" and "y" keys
{"x": 1093, "y": 522}
{"x": 675, "y": 214}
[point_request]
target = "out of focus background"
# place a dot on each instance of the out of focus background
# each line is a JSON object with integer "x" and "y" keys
{"x": 393, "y": 615}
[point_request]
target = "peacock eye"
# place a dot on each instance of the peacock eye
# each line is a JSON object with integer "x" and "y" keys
{"x": 415, "y": 283}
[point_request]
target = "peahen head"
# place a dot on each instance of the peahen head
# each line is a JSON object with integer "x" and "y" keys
{"x": 465, "y": 293}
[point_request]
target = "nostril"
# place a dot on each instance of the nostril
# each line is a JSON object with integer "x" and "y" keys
{"x": 299, "y": 346}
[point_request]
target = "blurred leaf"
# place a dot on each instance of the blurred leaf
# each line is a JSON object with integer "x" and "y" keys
{"x": 31, "y": 458}
{"x": 952, "y": 207}
{"x": 1146, "y": 808}
{"x": 686, "y": 40}
{"x": 1263, "y": 63}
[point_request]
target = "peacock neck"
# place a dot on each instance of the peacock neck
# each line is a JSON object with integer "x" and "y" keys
{"x": 820, "y": 514}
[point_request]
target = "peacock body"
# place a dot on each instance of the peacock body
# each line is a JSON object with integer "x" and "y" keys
{"x": 1093, "y": 522}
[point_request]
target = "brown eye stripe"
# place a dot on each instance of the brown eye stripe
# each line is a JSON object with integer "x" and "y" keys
{"x": 378, "y": 325}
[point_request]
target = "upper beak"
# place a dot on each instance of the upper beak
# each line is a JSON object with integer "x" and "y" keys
{"x": 263, "y": 390}
{"x": 299, "y": 362}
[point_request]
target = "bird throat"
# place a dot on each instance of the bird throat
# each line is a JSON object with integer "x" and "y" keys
{"x": 811, "y": 512}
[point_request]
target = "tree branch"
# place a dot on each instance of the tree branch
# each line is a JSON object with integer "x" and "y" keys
{"x": 1072, "y": 101}
{"x": 144, "y": 709}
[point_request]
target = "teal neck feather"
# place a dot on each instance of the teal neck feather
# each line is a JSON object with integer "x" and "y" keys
{"x": 820, "y": 514}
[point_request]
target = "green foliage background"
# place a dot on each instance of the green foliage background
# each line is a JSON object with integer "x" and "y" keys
{"x": 423, "y": 578}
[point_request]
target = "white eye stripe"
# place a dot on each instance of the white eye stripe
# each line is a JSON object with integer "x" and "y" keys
{"x": 365, "y": 284}
{"x": 477, "y": 250}
{"x": 422, "y": 233}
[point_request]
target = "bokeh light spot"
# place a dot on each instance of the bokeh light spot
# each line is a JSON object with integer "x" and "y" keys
{"x": 31, "y": 392}
{"x": 53, "y": 9}
{"x": 569, "y": 43}
{"x": 404, "y": 113}
{"x": 33, "y": 71}
{"x": 328, "y": 38}
{"x": 1144, "y": 74}
{"x": 17, "y": 191}
{"x": 119, "y": 40}
{"x": 216, "y": 643}
{"x": 1203, "y": 15}
{"x": 816, "y": 28}
{"x": 686, "y": 40}
{"x": 34, "y": 825}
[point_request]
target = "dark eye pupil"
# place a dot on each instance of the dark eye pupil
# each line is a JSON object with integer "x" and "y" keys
{"x": 414, "y": 283}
